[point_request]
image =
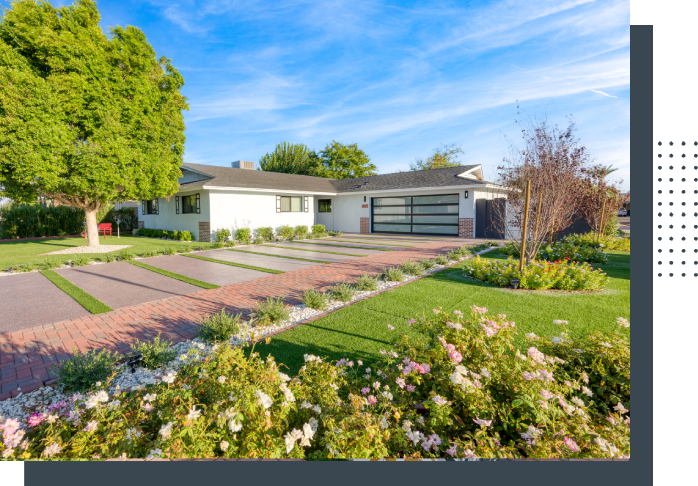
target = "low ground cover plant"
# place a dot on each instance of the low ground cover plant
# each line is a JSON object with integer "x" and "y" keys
{"x": 412, "y": 268}
{"x": 81, "y": 261}
{"x": 457, "y": 387}
{"x": 23, "y": 267}
{"x": 607, "y": 242}
{"x": 343, "y": 292}
{"x": 538, "y": 275}
{"x": 155, "y": 353}
{"x": 393, "y": 274}
{"x": 335, "y": 233}
{"x": 218, "y": 328}
{"x": 170, "y": 250}
{"x": 427, "y": 264}
{"x": 441, "y": 260}
{"x": 366, "y": 283}
{"x": 315, "y": 299}
{"x": 271, "y": 311}
{"x": 125, "y": 256}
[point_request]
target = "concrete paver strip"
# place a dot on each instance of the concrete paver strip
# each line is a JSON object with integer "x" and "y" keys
{"x": 205, "y": 271}
{"x": 30, "y": 299}
{"x": 303, "y": 254}
{"x": 283, "y": 264}
{"x": 120, "y": 284}
{"x": 322, "y": 247}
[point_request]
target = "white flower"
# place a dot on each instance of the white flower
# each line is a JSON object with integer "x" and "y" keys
{"x": 407, "y": 426}
{"x": 287, "y": 393}
{"x": 605, "y": 345}
{"x": 224, "y": 445}
{"x": 149, "y": 397}
{"x": 284, "y": 377}
{"x": 154, "y": 453}
{"x": 310, "y": 357}
{"x": 290, "y": 438}
{"x": 221, "y": 379}
{"x": 91, "y": 426}
{"x": 420, "y": 420}
{"x": 531, "y": 336}
{"x": 313, "y": 424}
{"x": 132, "y": 433}
{"x": 306, "y": 404}
{"x": 264, "y": 399}
{"x": 183, "y": 357}
{"x": 384, "y": 423}
{"x": 52, "y": 450}
{"x": 620, "y": 408}
{"x": 99, "y": 383}
{"x": 577, "y": 401}
{"x": 557, "y": 340}
{"x": 169, "y": 377}
{"x": 166, "y": 430}
{"x": 482, "y": 423}
{"x": 439, "y": 400}
{"x": 560, "y": 323}
{"x": 587, "y": 392}
{"x": 308, "y": 431}
{"x": 114, "y": 404}
{"x": 387, "y": 395}
{"x": 623, "y": 322}
{"x": 193, "y": 413}
{"x": 485, "y": 373}
{"x": 235, "y": 426}
{"x": 317, "y": 409}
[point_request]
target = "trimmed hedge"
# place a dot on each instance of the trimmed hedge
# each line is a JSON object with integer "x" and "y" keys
{"x": 170, "y": 235}
{"x": 32, "y": 220}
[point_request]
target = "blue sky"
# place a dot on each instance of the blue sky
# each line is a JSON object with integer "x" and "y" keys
{"x": 398, "y": 78}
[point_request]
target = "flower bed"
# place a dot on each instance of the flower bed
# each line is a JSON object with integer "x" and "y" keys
{"x": 539, "y": 275}
{"x": 562, "y": 251}
{"x": 588, "y": 240}
{"x": 459, "y": 391}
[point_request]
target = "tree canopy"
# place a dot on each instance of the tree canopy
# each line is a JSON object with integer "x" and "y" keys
{"x": 85, "y": 119}
{"x": 444, "y": 156}
{"x": 290, "y": 159}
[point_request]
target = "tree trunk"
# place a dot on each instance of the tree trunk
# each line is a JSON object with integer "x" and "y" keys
{"x": 92, "y": 231}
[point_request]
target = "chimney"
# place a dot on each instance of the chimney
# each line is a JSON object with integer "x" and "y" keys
{"x": 243, "y": 164}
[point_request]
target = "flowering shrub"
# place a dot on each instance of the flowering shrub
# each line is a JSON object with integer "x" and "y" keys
{"x": 561, "y": 251}
{"x": 539, "y": 275}
{"x": 605, "y": 241}
{"x": 81, "y": 370}
{"x": 457, "y": 388}
{"x": 154, "y": 353}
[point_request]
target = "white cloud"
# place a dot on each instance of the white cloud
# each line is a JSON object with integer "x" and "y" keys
{"x": 601, "y": 92}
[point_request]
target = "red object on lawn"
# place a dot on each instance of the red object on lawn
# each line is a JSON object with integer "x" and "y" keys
{"x": 104, "y": 227}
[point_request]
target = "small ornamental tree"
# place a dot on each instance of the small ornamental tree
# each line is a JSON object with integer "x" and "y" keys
{"x": 600, "y": 200}
{"x": 85, "y": 119}
{"x": 553, "y": 161}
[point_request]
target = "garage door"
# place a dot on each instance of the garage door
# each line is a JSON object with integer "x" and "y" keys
{"x": 430, "y": 215}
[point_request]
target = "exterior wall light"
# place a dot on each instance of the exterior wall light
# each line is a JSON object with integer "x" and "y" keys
{"x": 466, "y": 194}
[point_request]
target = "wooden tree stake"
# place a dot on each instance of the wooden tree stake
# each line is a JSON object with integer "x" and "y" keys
{"x": 525, "y": 225}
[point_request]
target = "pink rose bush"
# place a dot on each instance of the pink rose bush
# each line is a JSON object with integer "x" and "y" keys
{"x": 459, "y": 389}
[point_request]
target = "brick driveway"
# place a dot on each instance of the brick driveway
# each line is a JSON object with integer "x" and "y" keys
{"x": 26, "y": 356}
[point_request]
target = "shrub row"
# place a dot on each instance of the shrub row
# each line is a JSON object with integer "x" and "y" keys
{"x": 606, "y": 242}
{"x": 263, "y": 234}
{"x": 562, "y": 250}
{"x": 32, "y": 220}
{"x": 170, "y": 235}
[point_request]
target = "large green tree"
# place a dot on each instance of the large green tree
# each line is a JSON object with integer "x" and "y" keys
{"x": 85, "y": 119}
{"x": 444, "y": 156}
{"x": 339, "y": 161}
{"x": 290, "y": 158}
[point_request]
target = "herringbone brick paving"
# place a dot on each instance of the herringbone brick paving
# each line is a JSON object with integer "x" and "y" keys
{"x": 26, "y": 356}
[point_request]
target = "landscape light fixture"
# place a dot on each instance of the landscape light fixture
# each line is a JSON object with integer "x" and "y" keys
{"x": 134, "y": 358}
{"x": 515, "y": 283}
{"x": 466, "y": 194}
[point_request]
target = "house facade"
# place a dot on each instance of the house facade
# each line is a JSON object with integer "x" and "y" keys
{"x": 432, "y": 202}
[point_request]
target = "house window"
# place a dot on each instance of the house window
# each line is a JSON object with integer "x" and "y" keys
{"x": 190, "y": 204}
{"x": 324, "y": 205}
{"x": 291, "y": 204}
{"x": 150, "y": 206}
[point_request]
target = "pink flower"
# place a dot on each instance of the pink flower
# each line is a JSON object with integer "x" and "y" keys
{"x": 479, "y": 310}
{"x": 457, "y": 312}
{"x": 455, "y": 326}
{"x": 483, "y": 423}
{"x": 489, "y": 332}
{"x": 371, "y": 400}
{"x": 365, "y": 390}
{"x": 35, "y": 419}
{"x": 546, "y": 394}
{"x": 400, "y": 382}
{"x": 439, "y": 400}
{"x": 410, "y": 388}
{"x": 536, "y": 355}
{"x": 455, "y": 356}
{"x": 411, "y": 321}
{"x": 91, "y": 426}
{"x": 425, "y": 368}
{"x": 452, "y": 450}
{"x": 468, "y": 454}
{"x": 391, "y": 327}
{"x": 571, "y": 444}
{"x": 147, "y": 407}
{"x": 382, "y": 351}
{"x": 436, "y": 311}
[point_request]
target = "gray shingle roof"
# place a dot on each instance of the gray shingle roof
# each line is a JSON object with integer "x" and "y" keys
{"x": 255, "y": 179}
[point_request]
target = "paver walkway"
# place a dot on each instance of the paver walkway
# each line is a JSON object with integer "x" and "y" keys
{"x": 262, "y": 261}
{"x": 26, "y": 356}
{"x": 210, "y": 272}
{"x": 300, "y": 253}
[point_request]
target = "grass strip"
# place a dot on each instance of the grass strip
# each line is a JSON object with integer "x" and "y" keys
{"x": 93, "y": 305}
{"x": 176, "y": 276}
{"x": 232, "y": 264}
{"x": 280, "y": 256}
{"x": 317, "y": 251}
{"x": 343, "y": 246}
{"x": 367, "y": 243}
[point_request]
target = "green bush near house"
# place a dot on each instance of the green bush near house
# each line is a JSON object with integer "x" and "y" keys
{"x": 170, "y": 235}
{"x": 81, "y": 371}
{"x": 301, "y": 231}
{"x": 266, "y": 233}
{"x": 243, "y": 235}
{"x": 317, "y": 229}
{"x": 30, "y": 220}
{"x": 335, "y": 233}
{"x": 286, "y": 232}
{"x": 222, "y": 235}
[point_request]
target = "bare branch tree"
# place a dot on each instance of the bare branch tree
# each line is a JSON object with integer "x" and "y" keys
{"x": 553, "y": 160}
{"x": 600, "y": 200}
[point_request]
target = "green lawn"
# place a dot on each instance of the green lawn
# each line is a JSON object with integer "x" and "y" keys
{"x": 361, "y": 330}
{"x": 14, "y": 253}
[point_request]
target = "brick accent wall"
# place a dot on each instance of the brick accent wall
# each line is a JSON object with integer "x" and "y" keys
{"x": 364, "y": 226}
{"x": 465, "y": 228}
{"x": 205, "y": 231}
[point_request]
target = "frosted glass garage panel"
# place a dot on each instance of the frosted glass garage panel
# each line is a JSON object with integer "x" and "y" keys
{"x": 394, "y": 210}
{"x": 438, "y": 199}
{"x": 445, "y": 219}
{"x": 392, "y": 218}
{"x": 428, "y": 228}
{"x": 452, "y": 209}
{"x": 402, "y": 228}
{"x": 391, "y": 201}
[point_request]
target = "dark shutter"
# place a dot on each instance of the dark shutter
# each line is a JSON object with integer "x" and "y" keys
{"x": 177, "y": 204}
{"x": 305, "y": 208}
{"x": 278, "y": 204}
{"x": 143, "y": 206}
{"x": 198, "y": 204}
{"x": 157, "y": 206}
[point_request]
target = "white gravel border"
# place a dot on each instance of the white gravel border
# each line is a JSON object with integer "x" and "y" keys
{"x": 23, "y": 405}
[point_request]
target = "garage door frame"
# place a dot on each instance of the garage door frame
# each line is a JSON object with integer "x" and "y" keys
{"x": 411, "y": 223}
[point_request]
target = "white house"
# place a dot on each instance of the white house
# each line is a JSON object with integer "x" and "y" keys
{"x": 429, "y": 202}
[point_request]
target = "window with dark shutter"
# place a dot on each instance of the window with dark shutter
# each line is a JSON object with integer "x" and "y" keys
{"x": 198, "y": 204}
{"x": 143, "y": 206}
{"x": 305, "y": 205}
{"x": 157, "y": 207}
{"x": 177, "y": 204}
